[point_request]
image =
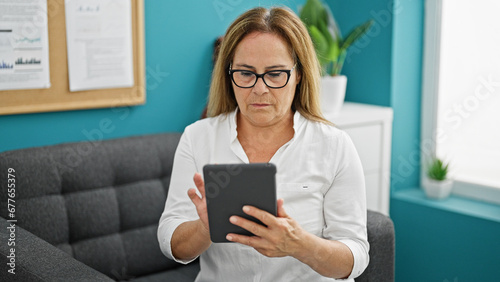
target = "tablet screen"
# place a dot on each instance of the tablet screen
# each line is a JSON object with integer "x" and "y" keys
{"x": 228, "y": 187}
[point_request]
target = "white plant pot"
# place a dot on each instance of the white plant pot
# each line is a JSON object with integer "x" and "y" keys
{"x": 437, "y": 189}
{"x": 332, "y": 94}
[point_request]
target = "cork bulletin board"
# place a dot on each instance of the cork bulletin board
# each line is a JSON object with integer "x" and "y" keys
{"x": 58, "y": 97}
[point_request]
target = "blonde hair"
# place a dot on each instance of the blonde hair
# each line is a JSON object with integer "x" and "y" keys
{"x": 287, "y": 25}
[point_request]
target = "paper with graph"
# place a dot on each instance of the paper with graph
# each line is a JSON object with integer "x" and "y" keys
{"x": 24, "y": 47}
{"x": 99, "y": 41}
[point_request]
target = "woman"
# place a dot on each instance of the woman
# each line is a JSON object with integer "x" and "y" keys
{"x": 264, "y": 108}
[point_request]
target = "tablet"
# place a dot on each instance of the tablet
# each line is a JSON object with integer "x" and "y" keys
{"x": 228, "y": 187}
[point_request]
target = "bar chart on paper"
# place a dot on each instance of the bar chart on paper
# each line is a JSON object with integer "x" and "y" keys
{"x": 24, "y": 49}
{"x": 5, "y": 65}
{"x": 28, "y": 61}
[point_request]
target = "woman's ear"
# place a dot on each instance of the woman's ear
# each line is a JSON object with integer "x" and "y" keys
{"x": 299, "y": 77}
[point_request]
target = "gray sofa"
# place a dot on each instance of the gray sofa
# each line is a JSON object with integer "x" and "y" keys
{"x": 88, "y": 211}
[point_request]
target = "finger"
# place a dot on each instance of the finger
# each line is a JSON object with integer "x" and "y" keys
{"x": 200, "y": 184}
{"x": 255, "y": 228}
{"x": 263, "y": 216}
{"x": 194, "y": 197}
{"x": 281, "y": 208}
{"x": 252, "y": 241}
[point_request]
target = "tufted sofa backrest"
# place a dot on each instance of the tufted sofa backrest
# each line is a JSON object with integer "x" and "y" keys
{"x": 98, "y": 201}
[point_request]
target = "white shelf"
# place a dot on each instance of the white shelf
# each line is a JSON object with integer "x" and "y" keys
{"x": 356, "y": 113}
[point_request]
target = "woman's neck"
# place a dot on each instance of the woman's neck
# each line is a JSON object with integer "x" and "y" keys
{"x": 260, "y": 143}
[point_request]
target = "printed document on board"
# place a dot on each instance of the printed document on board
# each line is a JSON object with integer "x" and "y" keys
{"x": 24, "y": 45}
{"x": 99, "y": 41}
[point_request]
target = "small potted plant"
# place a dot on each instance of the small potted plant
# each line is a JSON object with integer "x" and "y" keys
{"x": 437, "y": 185}
{"x": 331, "y": 49}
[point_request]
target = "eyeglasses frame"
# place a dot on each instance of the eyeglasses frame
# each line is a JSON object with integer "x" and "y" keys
{"x": 257, "y": 75}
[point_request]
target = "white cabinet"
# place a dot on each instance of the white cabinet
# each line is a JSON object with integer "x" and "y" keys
{"x": 370, "y": 128}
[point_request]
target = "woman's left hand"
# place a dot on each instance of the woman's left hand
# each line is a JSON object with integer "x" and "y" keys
{"x": 281, "y": 237}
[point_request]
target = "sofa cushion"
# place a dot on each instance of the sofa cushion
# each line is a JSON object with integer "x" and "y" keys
{"x": 138, "y": 203}
{"x": 186, "y": 273}
{"x": 36, "y": 173}
{"x": 46, "y": 214}
{"x": 83, "y": 166}
{"x": 142, "y": 252}
{"x": 135, "y": 161}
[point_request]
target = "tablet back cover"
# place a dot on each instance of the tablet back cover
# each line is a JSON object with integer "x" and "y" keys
{"x": 228, "y": 187}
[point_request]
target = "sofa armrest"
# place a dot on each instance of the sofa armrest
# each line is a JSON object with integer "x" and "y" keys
{"x": 382, "y": 239}
{"x": 37, "y": 260}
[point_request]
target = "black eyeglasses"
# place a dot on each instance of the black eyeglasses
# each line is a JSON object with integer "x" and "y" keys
{"x": 273, "y": 79}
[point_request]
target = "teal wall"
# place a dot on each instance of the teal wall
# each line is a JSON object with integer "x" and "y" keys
{"x": 434, "y": 244}
{"x": 406, "y": 90}
{"x": 384, "y": 68}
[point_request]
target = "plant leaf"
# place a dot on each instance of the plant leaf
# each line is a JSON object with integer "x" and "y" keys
{"x": 332, "y": 51}
{"x": 437, "y": 170}
{"x": 356, "y": 33}
{"x": 320, "y": 44}
{"x": 311, "y": 12}
{"x": 323, "y": 27}
{"x": 339, "y": 63}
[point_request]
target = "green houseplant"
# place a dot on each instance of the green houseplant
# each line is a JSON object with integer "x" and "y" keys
{"x": 331, "y": 50}
{"x": 331, "y": 47}
{"x": 437, "y": 170}
{"x": 437, "y": 184}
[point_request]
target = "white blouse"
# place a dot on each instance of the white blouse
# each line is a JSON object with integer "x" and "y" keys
{"x": 319, "y": 176}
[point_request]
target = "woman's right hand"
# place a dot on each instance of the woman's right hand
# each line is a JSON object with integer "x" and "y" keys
{"x": 192, "y": 238}
{"x": 200, "y": 203}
